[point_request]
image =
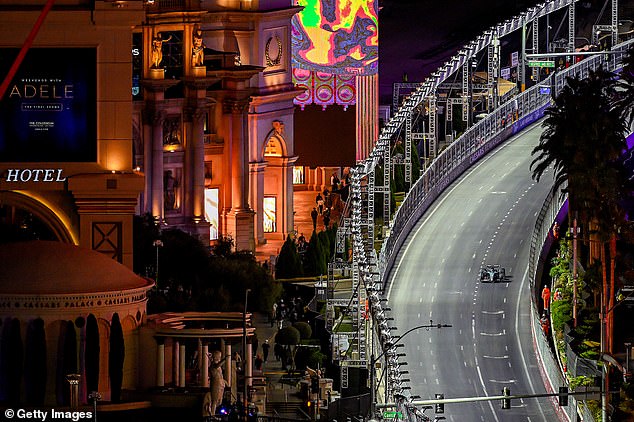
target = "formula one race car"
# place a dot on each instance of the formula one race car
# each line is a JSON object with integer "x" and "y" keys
{"x": 492, "y": 273}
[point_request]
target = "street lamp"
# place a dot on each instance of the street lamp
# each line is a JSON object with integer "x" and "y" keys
{"x": 390, "y": 346}
{"x": 245, "y": 399}
{"x": 158, "y": 243}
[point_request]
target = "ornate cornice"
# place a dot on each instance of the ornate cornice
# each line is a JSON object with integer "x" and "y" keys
{"x": 60, "y": 302}
{"x": 235, "y": 106}
{"x": 158, "y": 85}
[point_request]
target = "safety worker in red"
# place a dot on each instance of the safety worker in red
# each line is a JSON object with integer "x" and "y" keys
{"x": 546, "y": 297}
{"x": 556, "y": 230}
{"x": 545, "y": 324}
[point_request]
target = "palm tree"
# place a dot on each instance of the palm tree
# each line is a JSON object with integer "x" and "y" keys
{"x": 626, "y": 85}
{"x": 583, "y": 139}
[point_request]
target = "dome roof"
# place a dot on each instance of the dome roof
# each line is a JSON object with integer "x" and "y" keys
{"x": 48, "y": 267}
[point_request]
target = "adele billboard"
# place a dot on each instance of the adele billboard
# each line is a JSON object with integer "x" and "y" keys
{"x": 49, "y": 111}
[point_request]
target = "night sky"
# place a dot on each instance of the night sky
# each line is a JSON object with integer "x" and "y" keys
{"x": 417, "y": 36}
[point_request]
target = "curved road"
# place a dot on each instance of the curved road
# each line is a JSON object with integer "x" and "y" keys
{"x": 485, "y": 217}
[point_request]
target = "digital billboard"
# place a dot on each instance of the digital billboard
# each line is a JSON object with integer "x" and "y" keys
{"x": 336, "y": 36}
{"x": 49, "y": 111}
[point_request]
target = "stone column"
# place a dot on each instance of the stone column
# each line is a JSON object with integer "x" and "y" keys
{"x": 181, "y": 366}
{"x": 204, "y": 366}
{"x": 248, "y": 361}
{"x": 175, "y": 362}
{"x": 188, "y": 163}
{"x": 240, "y": 219}
{"x": 157, "y": 166}
{"x": 160, "y": 362}
{"x": 148, "y": 119}
{"x": 256, "y": 182}
{"x": 367, "y": 114}
{"x": 235, "y": 112}
{"x": 228, "y": 369}
{"x": 287, "y": 206}
{"x": 198, "y": 171}
{"x": 154, "y": 92}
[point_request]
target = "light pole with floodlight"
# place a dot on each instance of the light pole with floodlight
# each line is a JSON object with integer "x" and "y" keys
{"x": 390, "y": 346}
{"x": 245, "y": 400}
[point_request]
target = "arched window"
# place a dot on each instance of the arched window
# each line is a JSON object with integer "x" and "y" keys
{"x": 275, "y": 144}
{"x": 273, "y": 147}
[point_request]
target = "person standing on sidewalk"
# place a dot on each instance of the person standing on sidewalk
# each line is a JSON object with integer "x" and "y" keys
{"x": 265, "y": 350}
{"x": 546, "y": 297}
{"x": 313, "y": 215}
{"x": 319, "y": 200}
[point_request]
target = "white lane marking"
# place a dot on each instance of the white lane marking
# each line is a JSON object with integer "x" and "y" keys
{"x": 437, "y": 205}
{"x": 517, "y": 337}
{"x": 420, "y": 227}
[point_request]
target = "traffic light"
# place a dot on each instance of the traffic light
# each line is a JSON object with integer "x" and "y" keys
{"x": 506, "y": 402}
{"x": 563, "y": 396}
{"x": 440, "y": 407}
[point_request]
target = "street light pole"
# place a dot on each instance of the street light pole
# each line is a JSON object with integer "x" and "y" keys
{"x": 374, "y": 360}
{"x": 245, "y": 400}
{"x": 158, "y": 243}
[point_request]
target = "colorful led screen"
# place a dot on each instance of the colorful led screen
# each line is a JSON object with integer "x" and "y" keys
{"x": 336, "y": 36}
{"x": 49, "y": 111}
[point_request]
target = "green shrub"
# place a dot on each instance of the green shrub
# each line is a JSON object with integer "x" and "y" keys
{"x": 288, "y": 264}
{"x": 561, "y": 312}
{"x": 315, "y": 263}
{"x": 287, "y": 336}
{"x": 581, "y": 381}
{"x": 305, "y": 331}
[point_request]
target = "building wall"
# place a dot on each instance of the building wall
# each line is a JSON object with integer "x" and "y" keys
{"x": 244, "y": 88}
{"x": 102, "y": 191}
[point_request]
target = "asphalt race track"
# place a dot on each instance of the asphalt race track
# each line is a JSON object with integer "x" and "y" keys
{"x": 485, "y": 217}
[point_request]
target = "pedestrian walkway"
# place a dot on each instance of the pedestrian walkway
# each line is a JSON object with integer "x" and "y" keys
{"x": 303, "y": 203}
{"x": 283, "y": 399}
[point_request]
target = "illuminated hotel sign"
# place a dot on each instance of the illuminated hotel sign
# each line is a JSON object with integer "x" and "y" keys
{"x": 49, "y": 111}
{"x": 336, "y": 36}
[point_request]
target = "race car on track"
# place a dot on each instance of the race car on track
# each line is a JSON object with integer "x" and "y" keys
{"x": 492, "y": 273}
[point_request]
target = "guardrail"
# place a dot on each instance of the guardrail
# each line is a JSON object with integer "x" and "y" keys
{"x": 474, "y": 144}
{"x": 525, "y": 109}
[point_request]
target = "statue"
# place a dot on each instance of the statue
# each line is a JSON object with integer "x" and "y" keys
{"x": 198, "y": 54}
{"x": 157, "y": 50}
{"x": 169, "y": 185}
{"x": 278, "y": 127}
{"x": 216, "y": 381}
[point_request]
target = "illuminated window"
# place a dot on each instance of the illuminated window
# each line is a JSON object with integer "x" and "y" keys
{"x": 211, "y": 212}
{"x": 298, "y": 175}
{"x": 273, "y": 148}
{"x": 269, "y": 215}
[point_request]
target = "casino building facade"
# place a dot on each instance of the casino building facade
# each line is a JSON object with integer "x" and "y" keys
{"x": 203, "y": 141}
{"x": 178, "y": 108}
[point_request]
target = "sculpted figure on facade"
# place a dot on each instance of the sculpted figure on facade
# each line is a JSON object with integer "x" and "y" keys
{"x": 198, "y": 53}
{"x": 157, "y": 50}
{"x": 216, "y": 380}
